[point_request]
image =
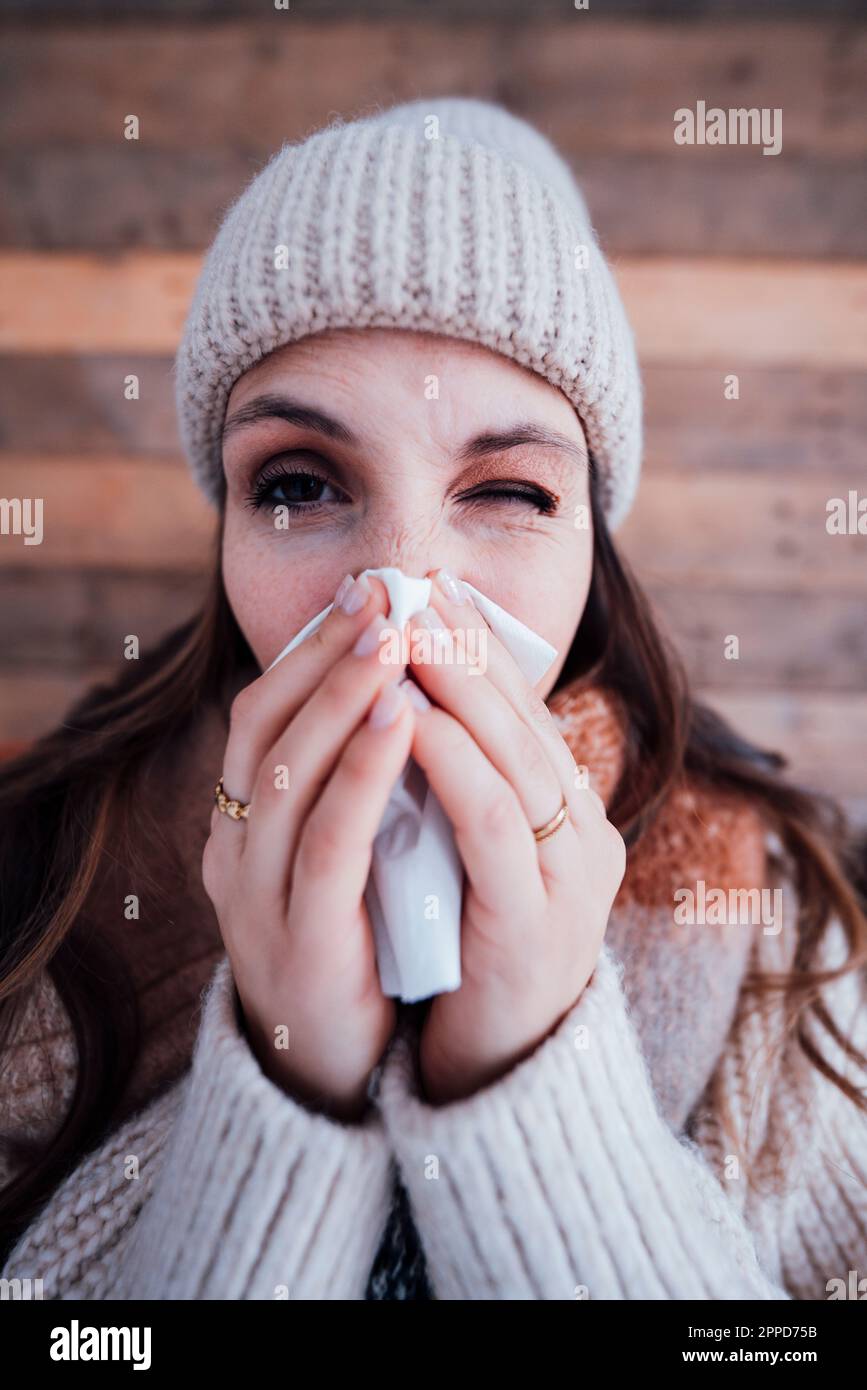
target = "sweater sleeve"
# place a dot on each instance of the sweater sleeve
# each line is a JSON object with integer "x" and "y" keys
{"x": 223, "y": 1188}
{"x": 561, "y": 1179}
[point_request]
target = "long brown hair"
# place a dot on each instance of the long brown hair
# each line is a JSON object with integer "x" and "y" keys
{"x": 58, "y": 798}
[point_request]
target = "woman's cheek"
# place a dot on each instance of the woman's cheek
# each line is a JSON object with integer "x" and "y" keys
{"x": 548, "y": 590}
{"x": 271, "y": 596}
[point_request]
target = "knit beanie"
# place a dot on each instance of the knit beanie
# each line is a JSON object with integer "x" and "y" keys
{"x": 446, "y": 215}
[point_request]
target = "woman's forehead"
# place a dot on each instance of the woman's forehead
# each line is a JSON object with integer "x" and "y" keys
{"x": 417, "y": 366}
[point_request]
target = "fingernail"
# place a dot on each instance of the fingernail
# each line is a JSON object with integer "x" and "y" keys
{"x": 345, "y": 583}
{"x": 451, "y": 586}
{"x": 386, "y": 707}
{"x": 352, "y": 594}
{"x": 369, "y": 639}
{"x": 416, "y": 696}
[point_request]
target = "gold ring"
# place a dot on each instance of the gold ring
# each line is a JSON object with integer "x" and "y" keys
{"x": 238, "y": 810}
{"x": 552, "y": 826}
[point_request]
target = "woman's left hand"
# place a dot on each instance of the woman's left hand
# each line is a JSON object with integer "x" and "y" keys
{"x": 534, "y": 913}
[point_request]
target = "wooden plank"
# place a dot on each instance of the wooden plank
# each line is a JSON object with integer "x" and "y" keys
{"x": 89, "y": 304}
{"x": 819, "y": 732}
{"x": 743, "y": 314}
{"x": 791, "y": 641}
{"x": 713, "y": 530}
{"x": 132, "y": 514}
{"x": 88, "y": 412}
{"x": 453, "y": 11}
{"x": 248, "y": 85}
{"x": 786, "y": 419}
{"x": 592, "y": 83}
{"x": 728, "y": 313}
{"x": 617, "y": 86}
{"x": 96, "y": 198}
{"x": 799, "y": 206}
{"x": 71, "y": 619}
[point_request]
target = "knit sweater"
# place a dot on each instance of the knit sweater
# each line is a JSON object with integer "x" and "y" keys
{"x": 597, "y": 1167}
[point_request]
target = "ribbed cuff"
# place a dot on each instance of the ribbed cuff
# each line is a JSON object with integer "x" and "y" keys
{"x": 562, "y": 1180}
{"x": 256, "y": 1197}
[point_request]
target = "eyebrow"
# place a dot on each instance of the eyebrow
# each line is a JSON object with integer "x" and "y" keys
{"x": 524, "y": 433}
{"x": 294, "y": 413}
{"x": 276, "y": 407}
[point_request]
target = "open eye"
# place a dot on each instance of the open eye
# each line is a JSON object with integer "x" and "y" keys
{"x": 296, "y": 489}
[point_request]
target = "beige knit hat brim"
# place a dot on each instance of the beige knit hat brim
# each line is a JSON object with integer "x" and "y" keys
{"x": 449, "y": 216}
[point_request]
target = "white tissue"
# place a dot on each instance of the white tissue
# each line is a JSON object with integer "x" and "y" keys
{"x": 415, "y": 888}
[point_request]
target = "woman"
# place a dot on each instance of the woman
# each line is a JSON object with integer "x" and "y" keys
{"x": 406, "y": 349}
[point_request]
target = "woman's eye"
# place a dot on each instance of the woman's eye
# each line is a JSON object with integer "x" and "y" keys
{"x": 532, "y": 497}
{"x": 298, "y": 491}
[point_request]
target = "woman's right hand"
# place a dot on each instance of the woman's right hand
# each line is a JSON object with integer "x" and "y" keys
{"x": 287, "y": 883}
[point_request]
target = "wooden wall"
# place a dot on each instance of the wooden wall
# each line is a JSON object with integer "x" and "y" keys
{"x": 729, "y": 262}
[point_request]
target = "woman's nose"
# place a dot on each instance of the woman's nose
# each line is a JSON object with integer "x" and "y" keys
{"x": 418, "y": 547}
{"x": 421, "y": 566}
{"x": 446, "y": 573}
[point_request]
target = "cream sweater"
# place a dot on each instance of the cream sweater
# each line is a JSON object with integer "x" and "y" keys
{"x": 561, "y": 1180}
{"x": 595, "y": 1168}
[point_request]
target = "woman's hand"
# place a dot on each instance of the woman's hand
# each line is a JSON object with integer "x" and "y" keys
{"x": 534, "y": 913}
{"x": 287, "y": 883}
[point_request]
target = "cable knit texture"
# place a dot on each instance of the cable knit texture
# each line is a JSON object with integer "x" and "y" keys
{"x": 450, "y": 216}
{"x": 595, "y": 1168}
